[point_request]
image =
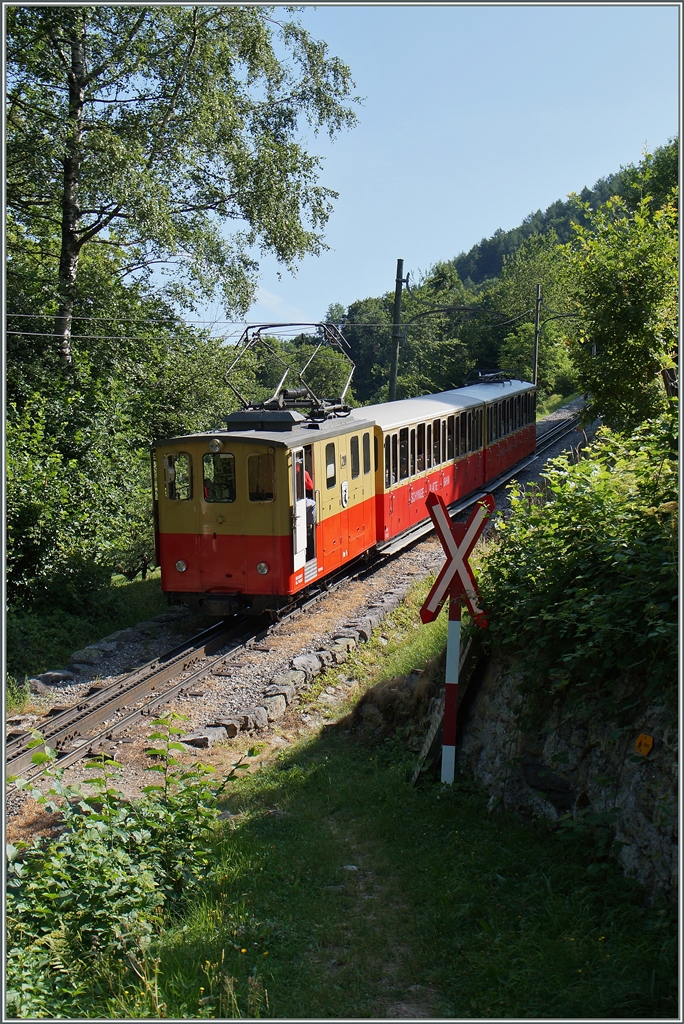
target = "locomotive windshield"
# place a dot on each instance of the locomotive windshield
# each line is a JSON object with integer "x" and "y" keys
{"x": 261, "y": 477}
{"x": 219, "y": 477}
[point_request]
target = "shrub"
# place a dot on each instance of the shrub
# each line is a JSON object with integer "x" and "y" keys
{"x": 581, "y": 582}
{"x": 96, "y": 892}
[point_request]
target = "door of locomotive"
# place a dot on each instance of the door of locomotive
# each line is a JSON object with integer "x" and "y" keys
{"x": 298, "y": 509}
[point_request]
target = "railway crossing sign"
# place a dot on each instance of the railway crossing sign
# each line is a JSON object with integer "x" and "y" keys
{"x": 456, "y": 580}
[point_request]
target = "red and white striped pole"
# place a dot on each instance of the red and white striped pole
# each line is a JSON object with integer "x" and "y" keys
{"x": 453, "y": 655}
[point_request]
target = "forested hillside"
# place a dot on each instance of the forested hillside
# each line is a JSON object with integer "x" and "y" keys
{"x": 497, "y": 281}
{"x": 485, "y": 260}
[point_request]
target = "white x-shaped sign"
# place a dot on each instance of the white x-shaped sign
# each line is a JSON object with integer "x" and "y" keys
{"x": 458, "y": 540}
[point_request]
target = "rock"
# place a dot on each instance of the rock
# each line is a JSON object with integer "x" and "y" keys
{"x": 326, "y": 657}
{"x": 275, "y": 706}
{"x": 253, "y": 718}
{"x": 339, "y": 653}
{"x": 231, "y": 725}
{"x": 348, "y": 642}
{"x": 364, "y": 627}
{"x": 375, "y": 616}
{"x": 125, "y": 636}
{"x": 61, "y": 675}
{"x": 347, "y": 634}
{"x": 291, "y": 678}
{"x": 307, "y": 663}
{"x": 350, "y": 867}
{"x": 78, "y": 667}
{"x": 146, "y": 627}
{"x": 106, "y": 646}
{"x": 35, "y": 686}
{"x": 88, "y": 656}
{"x": 206, "y": 737}
{"x": 287, "y": 691}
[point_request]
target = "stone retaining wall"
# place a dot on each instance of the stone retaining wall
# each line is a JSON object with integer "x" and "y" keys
{"x": 580, "y": 768}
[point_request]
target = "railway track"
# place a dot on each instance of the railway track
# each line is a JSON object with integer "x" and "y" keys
{"x": 113, "y": 710}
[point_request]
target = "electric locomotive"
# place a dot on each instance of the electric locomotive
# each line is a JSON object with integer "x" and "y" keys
{"x": 254, "y": 512}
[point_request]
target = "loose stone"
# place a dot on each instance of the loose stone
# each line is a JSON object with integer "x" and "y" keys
{"x": 307, "y": 663}
{"x": 286, "y": 690}
{"x": 275, "y": 706}
{"x": 206, "y": 737}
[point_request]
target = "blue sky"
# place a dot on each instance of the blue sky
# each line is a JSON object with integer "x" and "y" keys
{"x": 473, "y": 117}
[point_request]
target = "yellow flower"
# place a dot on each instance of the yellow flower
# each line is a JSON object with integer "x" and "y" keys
{"x": 243, "y": 950}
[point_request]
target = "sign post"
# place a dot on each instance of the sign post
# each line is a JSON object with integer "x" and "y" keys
{"x": 456, "y": 581}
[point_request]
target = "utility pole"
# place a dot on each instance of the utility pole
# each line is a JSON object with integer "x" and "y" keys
{"x": 396, "y": 330}
{"x": 535, "y": 354}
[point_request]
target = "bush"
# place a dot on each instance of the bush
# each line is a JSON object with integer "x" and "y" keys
{"x": 97, "y": 891}
{"x": 581, "y": 583}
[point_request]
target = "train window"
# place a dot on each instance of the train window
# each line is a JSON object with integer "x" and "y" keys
{"x": 444, "y": 440}
{"x": 463, "y": 449}
{"x": 375, "y": 451}
{"x": 403, "y": 453}
{"x": 436, "y": 433}
{"x": 500, "y": 418}
{"x": 355, "y": 461}
{"x": 517, "y": 412}
{"x": 388, "y": 461}
{"x": 480, "y": 420}
{"x": 412, "y": 468}
{"x": 178, "y": 476}
{"x": 261, "y": 477}
{"x": 330, "y": 472}
{"x": 218, "y": 472}
{"x": 394, "y": 459}
{"x": 509, "y": 415}
{"x": 450, "y": 438}
{"x": 366, "y": 453}
{"x": 300, "y": 490}
{"x": 533, "y": 411}
{"x": 421, "y": 446}
{"x": 469, "y": 435}
{"x": 428, "y": 447}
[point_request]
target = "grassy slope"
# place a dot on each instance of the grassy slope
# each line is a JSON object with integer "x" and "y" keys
{"x": 452, "y": 912}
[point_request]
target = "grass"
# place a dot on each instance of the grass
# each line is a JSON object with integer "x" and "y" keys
{"x": 342, "y": 892}
{"x": 548, "y": 405}
{"x": 37, "y": 642}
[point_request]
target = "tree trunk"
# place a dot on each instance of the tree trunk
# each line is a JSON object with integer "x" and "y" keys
{"x": 71, "y": 214}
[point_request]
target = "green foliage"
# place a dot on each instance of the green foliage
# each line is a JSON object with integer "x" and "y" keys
{"x": 623, "y": 278}
{"x": 581, "y": 583}
{"x": 188, "y": 121}
{"x": 97, "y": 890}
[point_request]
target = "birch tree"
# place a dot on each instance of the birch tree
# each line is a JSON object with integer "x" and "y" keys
{"x": 175, "y": 136}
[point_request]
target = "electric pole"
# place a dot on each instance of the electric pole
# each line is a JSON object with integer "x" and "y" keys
{"x": 535, "y": 353}
{"x": 396, "y": 331}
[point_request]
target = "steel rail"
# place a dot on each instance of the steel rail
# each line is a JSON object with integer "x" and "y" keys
{"x": 87, "y": 715}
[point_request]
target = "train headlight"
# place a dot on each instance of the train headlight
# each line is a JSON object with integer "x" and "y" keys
{"x": 262, "y": 568}
{"x": 215, "y": 445}
{"x": 181, "y": 565}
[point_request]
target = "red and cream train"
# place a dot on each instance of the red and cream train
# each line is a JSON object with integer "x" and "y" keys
{"x": 248, "y": 515}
